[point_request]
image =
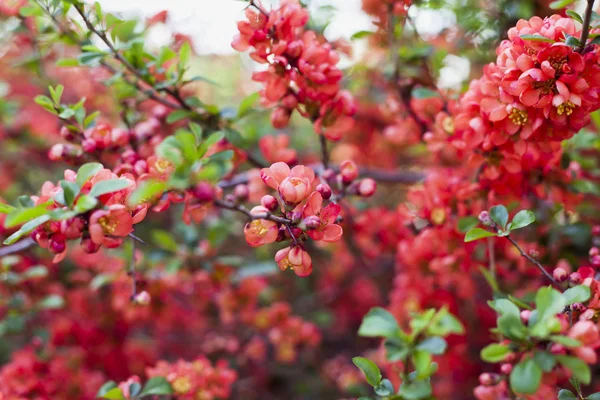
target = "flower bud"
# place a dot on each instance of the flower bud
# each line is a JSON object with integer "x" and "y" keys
{"x": 575, "y": 278}
{"x": 578, "y": 307}
{"x": 290, "y": 102}
{"x": 296, "y": 216}
{"x": 348, "y": 171}
{"x": 557, "y": 348}
{"x": 56, "y": 152}
{"x": 241, "y": 192}
{"x": 595, "y": 260}
{"x": 594, "y": 251}
{"x": 66, "y": 133}
{"x": 88, "y": 246}
{"x": 142, "y": 298}
{"x": 89, "y": 145}
{"x": 525, "y": 314}
{"x": 204, "y": 192}
{"x": 230, "y": 198}
{"x": 324, "y": 190}
{"x": 486, "y": 379}
{"x": 328, "y": 175}
{"x": 280, "y": 117}
{"x": 312, "y": 222}
{"x": 560, "y": 274}
{"x": 57, "y": 243}
{"x": 269, "y": 202}
{"x": 484, "y": 218}
{"x": 506, "y": 368}
{"x": 367, "y": 187}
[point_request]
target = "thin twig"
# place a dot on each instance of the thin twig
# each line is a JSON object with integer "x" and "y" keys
{"x": 17, "y": 247}
{"x": 131, "y": 235}
{"x": 534, "y": 261}
{"x": 585, "y": 29}
{"x": 492, "y": 254}
{"x": 241, "y": 209}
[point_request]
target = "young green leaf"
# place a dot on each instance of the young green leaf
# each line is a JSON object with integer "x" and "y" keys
{"x": 477, "y": 233}
{"x": 577, "y": 294}
{"x": 495, "y": 352}
{"x": 548, "y": 302}
{"x": 156, "y": 386}
{"x": 379, "y": 323}
{"x": 579, "y": 369}
{"x": 370, "y": 369}
{"x": 525, "y": 377}
{"x": 109, "y": 186}
{"x": 433, "y": 345}
{"x": 499, "y": 215}
{"x": 522, "y": 219}
{"x": 86, "y": 171}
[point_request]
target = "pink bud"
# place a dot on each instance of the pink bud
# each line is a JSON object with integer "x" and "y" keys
{"x": 312, "y": 222}
{"x": 66, "y": 133}
{"x": 324, "y": 190}
{"x": 269, "y": 202}
{"x": 56, "y": 152}
{"x": 506, "y": 368}
{"x": 525, "y": 314}
{"x": 89, "y": 145}
{"x": 596, "y": 230}
{"x": 486, "y": 379}
{"x": 204, "y": 192}
{"x": 348, "y": 171}
{"x": 594, "y": 251}
{"x": 88, "y": 246}
{"x": 57, "y": 243}
{"x": 142, "y": 298}
{"x": 290, "y": 102}
{"x": 557, "y": 348}
{"x": 241, "y": 192}
{"x": 559, "y": 274}
{"x": 367, "y": 187}
{"x": 575, "y": 278}
{"x": 484, "y": 218}
{"x": 280, "y": 117}
{"x": 328, "y": 175}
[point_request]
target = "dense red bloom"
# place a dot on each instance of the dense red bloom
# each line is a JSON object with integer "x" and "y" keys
{"x": 105, "y": 225}
{"x": 327, "y": 230}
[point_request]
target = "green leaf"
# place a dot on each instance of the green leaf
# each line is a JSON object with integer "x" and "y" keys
{"x": 67, "y": 62}
{"x": 415, "y": 390}
{"x": 184, "y": 53}
{"x": 548, "y": 302}
{"x": 164, "y": 240}
{"x": 86, "y": 171}
{"x": 579, "y": 369}
{"x": 559, "y": 4}
{"x": 178, "y": 115}
{"x": 536, "y": 38}
{"x": 360, "y": 35}
{"x": 576, "y": 294}
{"x": 444, "y": 323}
{"x": 385, "y": 388}
{"x": 595, "y": 396}
{"x": 52, "y": 302}
{"x": 565, "y": 341}
{"x": 574, "y": 16}
{"x": 565, "y": 394}
{"x": 85, "y": 203}
{"x": 422, "y": 362}
{"x": 70, "y": 191}
{"x": 56, "y": 93}
{"x": 522, "y": 219}
{"x": 114, "y": 394}
{"x": 477, "y": 233}
{"x": 211, "y": 140}
{"x": 490, "y": 279}
{"x": 27, "y": 228}
{"x": 146, "y": 191}
{"x": 22, "y": 215}
{"x": 495, "y": 352}
{"x": 106, "y": 388}
{"x": 370, "y": 370}
{"x": 499, "y": 215}
{"x": 525, "y": 377}
{"x": 246, "y": 105}
{"x": 109, "y": 186}
{"x": 396, "y": 349}
{"x": 433, "y": 345}
{"x": 188, "y": 145}
{"x": 156, "y": 386}
{"x": 504, "y": 306}
{"x": 6, "y": 208}
{"x": 235, "y": 138}
{"x": 465, "y": 224}
{"x": 379, "y": 323}
{"x": 545, "y": 360}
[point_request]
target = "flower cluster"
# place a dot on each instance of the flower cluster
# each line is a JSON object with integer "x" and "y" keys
{"x": 301, "y": 74}
{"x": 104, "y": 219}
{"x": 197, "y": 379}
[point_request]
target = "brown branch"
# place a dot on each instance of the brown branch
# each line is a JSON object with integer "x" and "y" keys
{"x": 585, "y": 29}
{"x": 534, "y": 261}
{"x": 241, "y": 209}
{"x": 324, "y": 152}
{"x": 17, "y": 247}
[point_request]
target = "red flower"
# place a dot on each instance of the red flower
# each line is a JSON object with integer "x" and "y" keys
{"x": 327, "y": 230}
{"x": 260, "y": 231}
{"x": 107, "y": 224}
{"x": 294, "y": 258}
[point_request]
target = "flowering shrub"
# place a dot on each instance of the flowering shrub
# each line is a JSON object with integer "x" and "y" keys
{"x": 306, "y": 229}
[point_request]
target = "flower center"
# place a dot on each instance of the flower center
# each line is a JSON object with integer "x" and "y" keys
{"x": 557, "y": 62}
{"x": 518, "y": 117}
{"x": 107, "y": 225}
{"x": 565, "y": 108}
{"x": 448, "y": 125}
{"x": 257, "y": 228}
{"x": 546, "y": 87}
{"x": 182, "y": 385}
{"x": 162, "y": 165}
{"x": 296, "y": 181}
